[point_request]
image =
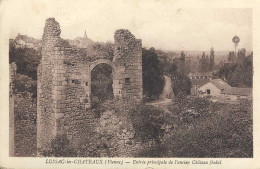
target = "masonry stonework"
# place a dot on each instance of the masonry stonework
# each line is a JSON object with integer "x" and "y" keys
{"x": 64, "y": 85}
{"x": 22, "y": 121}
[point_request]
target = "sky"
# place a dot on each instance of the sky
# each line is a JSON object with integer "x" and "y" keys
{"x": 159, "y": 23}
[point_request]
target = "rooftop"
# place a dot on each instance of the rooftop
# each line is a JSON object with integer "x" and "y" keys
{"x": 219, "y": 83}
{"x": 238, "y": 91}
{"x": 27, "y": 39}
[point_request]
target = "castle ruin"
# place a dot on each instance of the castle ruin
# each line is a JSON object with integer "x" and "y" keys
{"x": 64, "y": 84}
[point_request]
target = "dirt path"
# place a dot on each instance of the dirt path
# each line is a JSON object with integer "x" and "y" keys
{"x": 164, "y": 97}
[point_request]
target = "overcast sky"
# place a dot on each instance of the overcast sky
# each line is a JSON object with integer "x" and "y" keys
{"x": 158, "y": 23}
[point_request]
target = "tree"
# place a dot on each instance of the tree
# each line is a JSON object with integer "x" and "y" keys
{"x": 207, "y": 62}
{"x": 212, "y": 60}
{"x": 181, "y": 84}
{"x": 26, "y": 59}
{"x": 202, "y": 63}
{"x": 182, "y": 57}
{"x": 238, "y": 74}
{"x": 153, "y": 79}
{"x": 232, "y": 57}
{"x": 241, "y": 56}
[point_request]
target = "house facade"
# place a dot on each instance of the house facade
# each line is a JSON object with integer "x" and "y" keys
{"x": 214, "y": 87}
{"x": 219, "y": 88}
{"x": 198, "y": 79}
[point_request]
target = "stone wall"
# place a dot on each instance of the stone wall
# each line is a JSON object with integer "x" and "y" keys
{"x": 64, "y": 86}
{"x": 48, "y": 91}
{"x": 128, "y": 53}
{"x": 118, "y": 135}
{"x": 25, "y": 125}
{"x": 12, "y": 73}
{"x": 22, "y": 121}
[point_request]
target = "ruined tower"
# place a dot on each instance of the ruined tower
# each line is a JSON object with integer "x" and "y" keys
{"x": 128, "y": 54}
{"x": 50, "y": 87}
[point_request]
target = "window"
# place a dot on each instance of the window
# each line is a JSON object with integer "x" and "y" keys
{"x": 208, "y": 91}
{"x": 127, "y": 80}
{"x": 75, "y": 81}
{"x": 86, "y": 83}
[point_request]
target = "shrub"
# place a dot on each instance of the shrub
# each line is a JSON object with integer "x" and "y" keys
{"x": 147, "y": 122}
{"x": 226, "y": 132}
{"x": 60, "y": 148}
{"x": 181, "y": 84}
{"x": 24, "y": 84}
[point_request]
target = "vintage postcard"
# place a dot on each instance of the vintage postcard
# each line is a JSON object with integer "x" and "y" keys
{"x": 129, "y": 84}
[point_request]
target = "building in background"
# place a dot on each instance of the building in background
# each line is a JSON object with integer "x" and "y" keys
{"x": 214, "y": 87}
{"x": 219, "y": 88}
{"x": 24, "y": 41}
{"x": 198, "y": 79}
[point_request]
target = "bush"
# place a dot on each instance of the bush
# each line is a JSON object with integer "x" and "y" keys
{"x": 24, "y": 84}
{"x": 225, "y": 132}
{"x": 60, "y": 148}
{"x": 147, "y": 122}
{"x": 181, "y": 84}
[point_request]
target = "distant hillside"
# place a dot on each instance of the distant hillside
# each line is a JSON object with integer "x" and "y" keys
{"x": 193, "y": 55}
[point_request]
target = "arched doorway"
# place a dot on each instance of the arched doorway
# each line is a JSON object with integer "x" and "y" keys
{"x": 101, "y": 84}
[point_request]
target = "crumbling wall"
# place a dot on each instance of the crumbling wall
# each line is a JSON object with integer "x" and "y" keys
{"x": 12, "y": 73}
{"x": 46, "y": 105}
{"x": 25, "y": 118}
{"x": 64, "y": 86}
{"x": 22, "y": 121}
{"x": 128, "y": 53}
{"x": 117, "y": 136}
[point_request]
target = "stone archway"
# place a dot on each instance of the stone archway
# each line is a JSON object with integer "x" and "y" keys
{"x": 102, "y": 75}
{"x": 99, "y": 61}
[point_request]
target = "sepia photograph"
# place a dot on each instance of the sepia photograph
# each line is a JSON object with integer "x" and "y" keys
{"x": 117, "y": 79}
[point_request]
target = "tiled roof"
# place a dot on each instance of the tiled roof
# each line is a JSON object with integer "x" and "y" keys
{"x": 238, "y": 91}
{"x": 219, "y": 83}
